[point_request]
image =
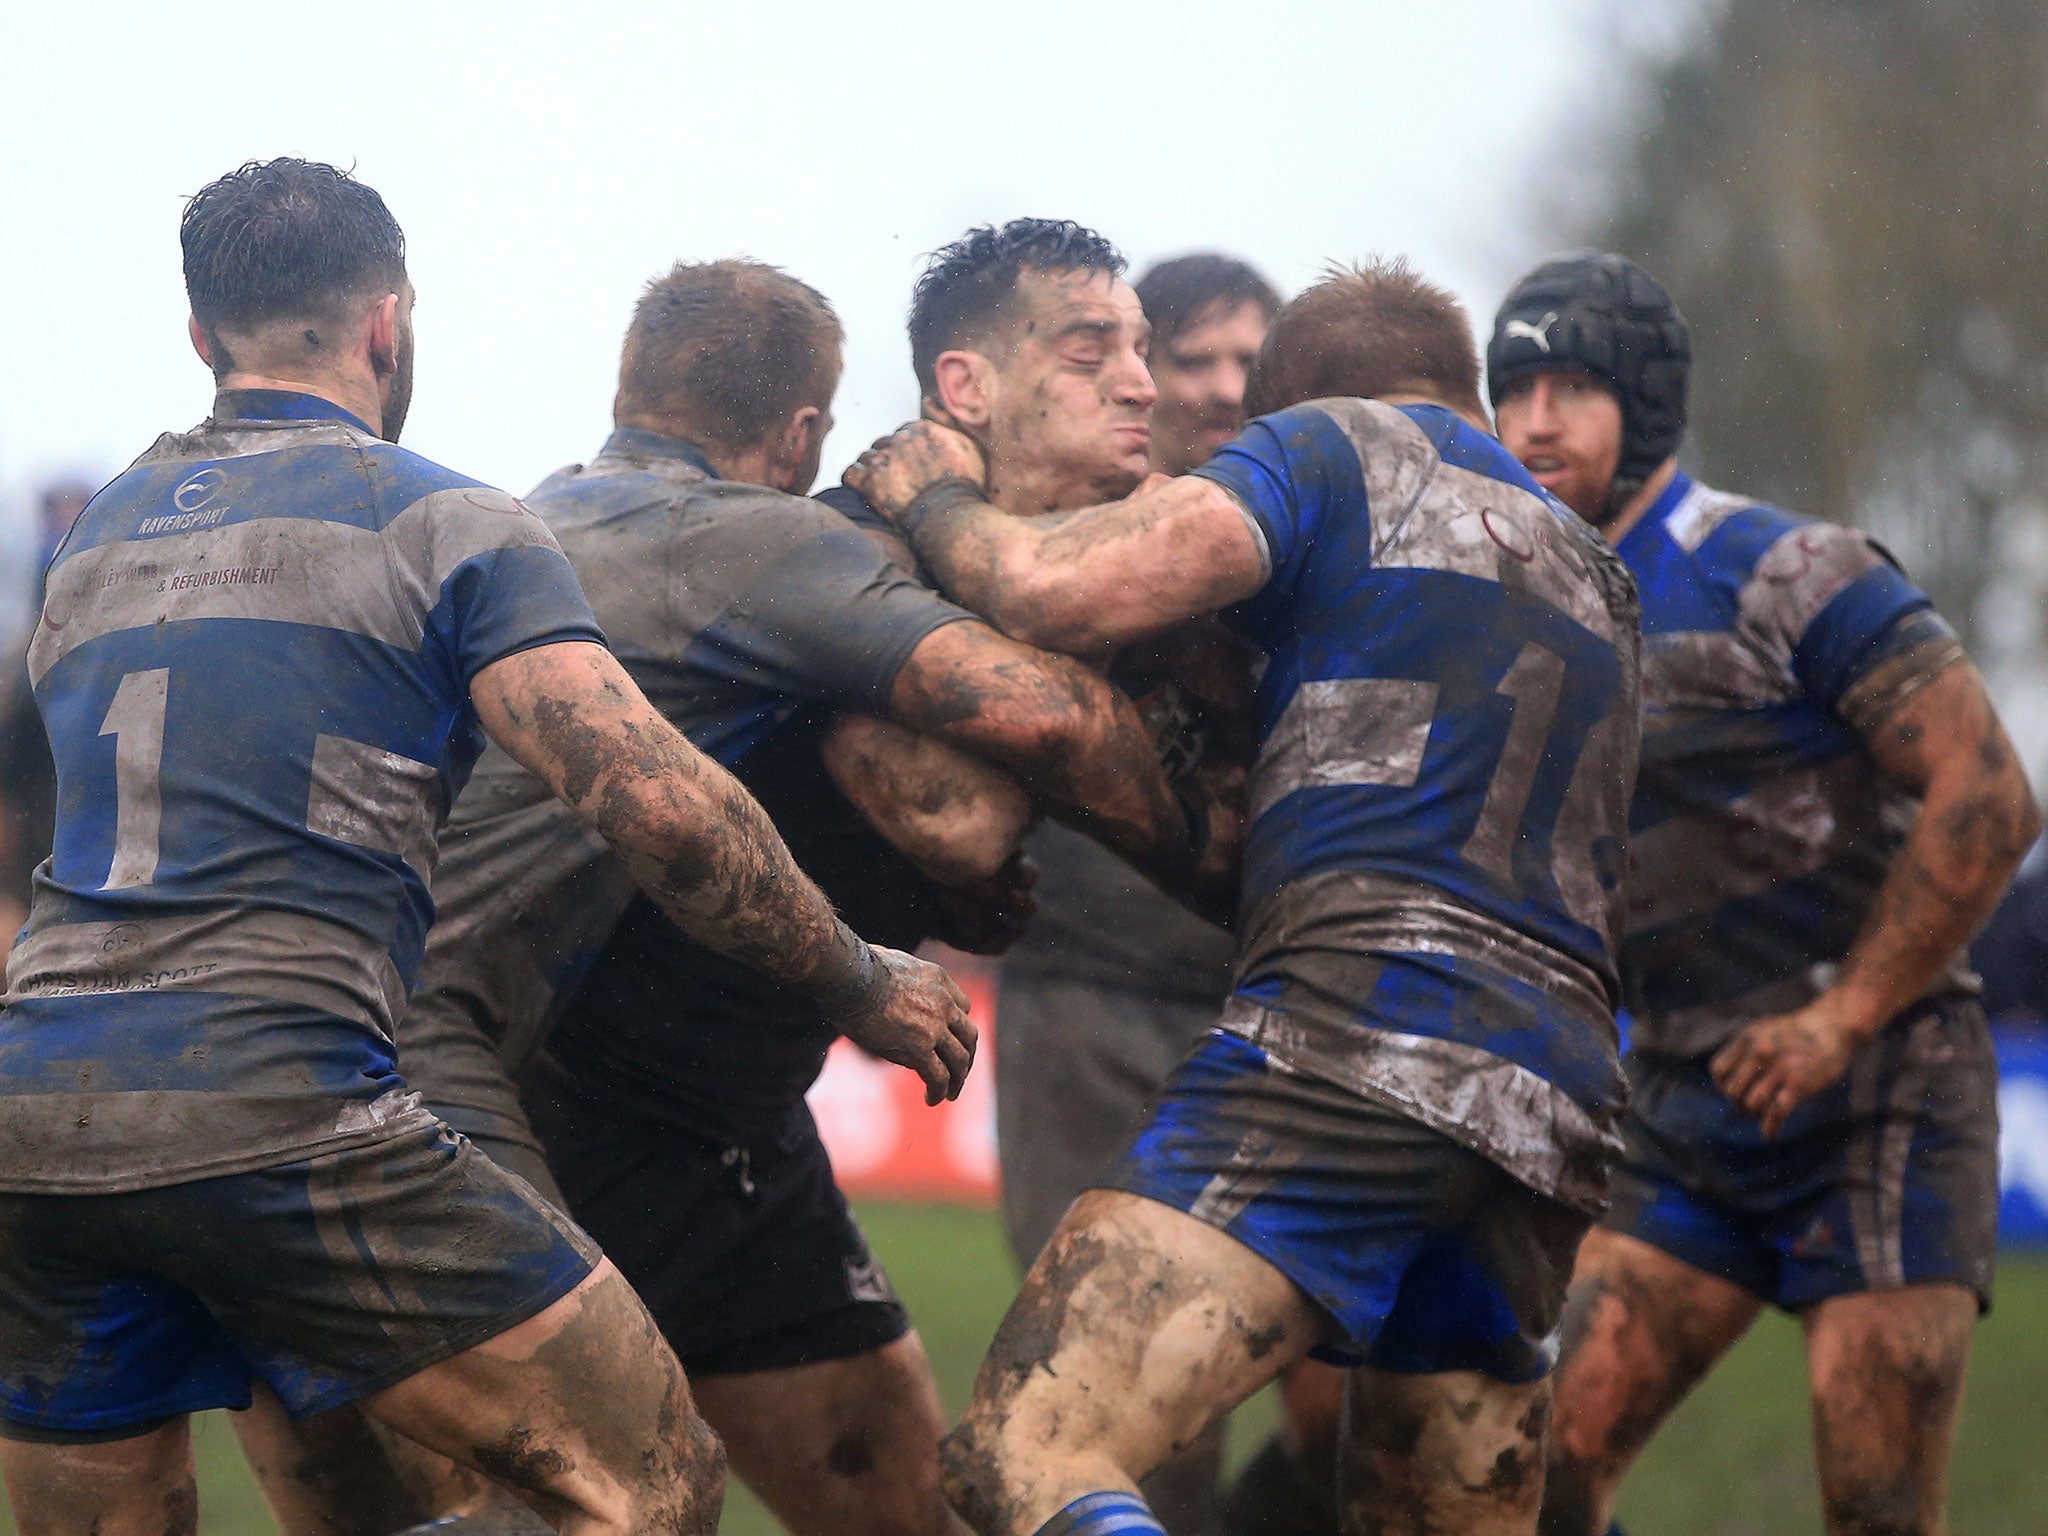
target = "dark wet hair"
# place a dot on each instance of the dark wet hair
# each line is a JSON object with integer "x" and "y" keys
{"x": 965, "y": 285}
{"x": 280, "y": 239}
{"x": 724, "y": 352}
{"x": 1176, "y": 292}
{"x": 1376, "y": 329}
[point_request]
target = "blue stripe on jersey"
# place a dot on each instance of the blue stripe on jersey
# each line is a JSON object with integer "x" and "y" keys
{"x": 299, "y": 682}
{"x": 1856, "y": 631}
{"x": 1474, "y": 632}
{"x": 240, "y": 1046}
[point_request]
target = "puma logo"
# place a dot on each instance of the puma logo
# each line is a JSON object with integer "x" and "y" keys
{"x": 1538, "y": 332}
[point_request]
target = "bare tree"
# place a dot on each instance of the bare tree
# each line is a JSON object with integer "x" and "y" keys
{"x": 1849, "y": 199}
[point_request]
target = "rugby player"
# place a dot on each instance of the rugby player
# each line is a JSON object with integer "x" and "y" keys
{"x": 1828, "y": 808}
{"x": 1209, "y": 314}
{"x": 667, "y": 1085}
{"x": 269, "y": 653}
{"x": 1114, "y": 981}
{"x": 1391, "y": 1146}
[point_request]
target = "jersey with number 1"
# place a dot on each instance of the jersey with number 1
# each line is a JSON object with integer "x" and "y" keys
{"x": 1432, "y": 887}
{"x": 253, "y": 662}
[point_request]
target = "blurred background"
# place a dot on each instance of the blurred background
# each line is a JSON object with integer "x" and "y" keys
{"x": 1845, "y": 196}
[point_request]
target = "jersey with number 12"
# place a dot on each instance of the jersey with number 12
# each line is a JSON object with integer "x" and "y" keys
{"x": 1432, "y": 888}
{"x": 253, "y": 662}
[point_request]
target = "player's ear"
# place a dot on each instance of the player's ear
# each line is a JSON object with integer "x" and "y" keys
{"x": 964, "y": 387}
{"x": 804, "y": 435}
{"x": 384, "y": 335}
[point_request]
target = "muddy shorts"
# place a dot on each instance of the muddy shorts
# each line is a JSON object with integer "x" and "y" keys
{"x": 1888, "y": 1177}
{"x": 747, "y": 1256}
{"x": 327, "y": 1279}
{"x": 1426, "y": 1256}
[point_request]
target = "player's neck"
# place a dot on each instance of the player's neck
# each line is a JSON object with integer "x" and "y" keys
{"x": 1616, "y": 528}
{"x": 1035, "y": 490}
{"x": 360, "y": 400}
{"x": 1465, "y": 413}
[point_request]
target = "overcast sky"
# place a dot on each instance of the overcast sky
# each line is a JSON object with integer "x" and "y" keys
{"x": 545, "y": 160}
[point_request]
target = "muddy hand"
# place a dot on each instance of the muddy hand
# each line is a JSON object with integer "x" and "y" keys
{"x": 909, "y": 461}
{"x": 916, "y": 1018}
{"x": 1776, "y": 1064}
{"x": 987, "y": 918}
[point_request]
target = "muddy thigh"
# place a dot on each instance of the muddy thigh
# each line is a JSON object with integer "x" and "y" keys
{"x": 582, "y": 1409}
{"x": 1136, "y": 1328}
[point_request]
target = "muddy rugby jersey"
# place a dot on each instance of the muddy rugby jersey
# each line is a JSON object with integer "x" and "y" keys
{"x": 1762, "y": 828}
{"x": 1432, "y": 883}
{"x": 748, "y": 617}
{"x": 253, "y": 662}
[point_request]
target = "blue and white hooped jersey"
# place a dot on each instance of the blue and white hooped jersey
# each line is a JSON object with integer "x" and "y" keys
{"x": 1432, "y": 889}
{"x": 1762, "y": 828}
{"x": 253, "y": 662}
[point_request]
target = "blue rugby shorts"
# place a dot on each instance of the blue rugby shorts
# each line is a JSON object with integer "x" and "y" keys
{"x": 1426, "y": 1256}
{"x": 1888, "y": 1177}
{"x": 327, "y": 1279}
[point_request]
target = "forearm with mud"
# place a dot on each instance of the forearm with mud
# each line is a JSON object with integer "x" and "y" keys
{"x": 1066, "y": 735}
{"x": 705, "y": 851}
{"x": 1977, "y": 820}
{"x": 1084, "y": 582}
{"x": 957, "y": 818}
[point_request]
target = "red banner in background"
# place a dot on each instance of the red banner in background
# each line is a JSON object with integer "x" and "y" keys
{"x": 885, "y": 1141}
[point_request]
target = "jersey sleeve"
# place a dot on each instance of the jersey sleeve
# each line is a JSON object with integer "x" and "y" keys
{"x": 505, "y": 586}
{"x": 1861, "y": 637}
{"x": 1285, "y": 471}
{"x": 832, "y": 619}
{"x": 857, "y": 510}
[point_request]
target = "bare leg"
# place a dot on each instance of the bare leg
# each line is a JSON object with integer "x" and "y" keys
{"x": 1886, "y": 1369}
{"x": 840, "y": 1448}
{"x": 1454, "y": 1451}
{"x": 582, "y": 1410}
{"x": 141, "y": 1486}
{"x": 328, "y": 1475}
{"x": 341, "y": 1473}
{"x": 1136, "y": 1329}
{"x": 1640, "y": 1330}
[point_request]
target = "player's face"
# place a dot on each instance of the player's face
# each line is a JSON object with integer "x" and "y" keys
{"x": 1565, "y": 427}
{"x": 1201, "y": 375}
{"x": 1074, "y": 397}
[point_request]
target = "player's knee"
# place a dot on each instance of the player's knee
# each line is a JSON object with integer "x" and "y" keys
{"x": 681, "y": 1480}
{"x": 974, "y": 1472}
{"x": 700, "y": 1463}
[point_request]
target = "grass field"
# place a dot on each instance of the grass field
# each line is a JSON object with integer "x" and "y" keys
{"x": 1735, "y": 1462}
